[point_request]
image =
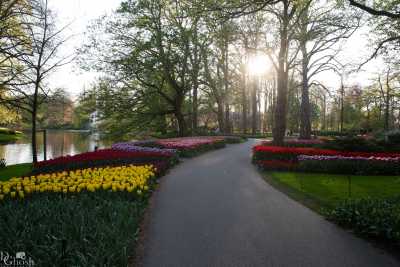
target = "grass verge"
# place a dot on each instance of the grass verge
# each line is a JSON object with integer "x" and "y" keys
{"x": 17, "y": 170}
{"x": 367, "y": 205}
{"x": 331, "y": 189}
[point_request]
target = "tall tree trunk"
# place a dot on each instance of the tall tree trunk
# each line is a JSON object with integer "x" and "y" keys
{"x": 182, "y": 127}
{"x": 305, "y": 110}
{"x": 341, "y": 106}
{"x": 225, "y": 59}
{"x": 220, "y": 115}
{"x": 324, "y": 114}
{"x": 254, "y": 106}
{"x": 181, "y": 123}
{"x": 227, "y": 119}
{"x": 195, "y": 107}
{"x": 244, "y": 102}
{"x": 279, "y": 129}
{"x": 34, "y": 114}
{"x": 34, "y": 145}
{"x": 195, "y": 73}
{"x": 387, "y": 112}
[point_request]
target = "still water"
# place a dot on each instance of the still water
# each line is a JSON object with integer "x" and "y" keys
{"x": 59, "y": 143}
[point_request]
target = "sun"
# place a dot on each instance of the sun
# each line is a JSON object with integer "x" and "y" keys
{"x": 258, "y": 64}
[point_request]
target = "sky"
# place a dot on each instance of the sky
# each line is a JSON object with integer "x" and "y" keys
{"x": 79, "y": 14}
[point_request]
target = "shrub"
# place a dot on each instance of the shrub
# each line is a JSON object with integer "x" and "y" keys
{"x": 393, "y": 137}
{"x": 234, "y": 139}
{"x": 353, "y": 143}
{"x": 349, "y": 165}
{"x": 370, "y": 217}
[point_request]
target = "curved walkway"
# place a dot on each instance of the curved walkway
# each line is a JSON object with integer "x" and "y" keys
{"x": 215, "y": 210}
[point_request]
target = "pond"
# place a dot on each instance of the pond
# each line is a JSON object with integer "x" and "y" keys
{"x": 59, "y": 143}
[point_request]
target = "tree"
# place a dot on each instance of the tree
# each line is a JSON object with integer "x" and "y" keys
{"x": 286, "y": 17}
{"x": 149, "y": 51}
{"x": 387, "y": 93}
{"x": 37, "y": 61}
{"x": 385, "y": 18}
{"x": 12, "y": 38}
{"x": 321, "y": 29}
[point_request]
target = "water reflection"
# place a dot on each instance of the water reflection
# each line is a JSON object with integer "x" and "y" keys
{"x": 58, "y": 143}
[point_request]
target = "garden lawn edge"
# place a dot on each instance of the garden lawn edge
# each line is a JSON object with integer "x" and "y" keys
{"x": 320, "y": 207}
{"x": 305, "y": 199}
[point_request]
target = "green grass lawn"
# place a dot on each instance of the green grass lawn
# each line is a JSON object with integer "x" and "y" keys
{"x": 15, "y": 171}
{"x": 329, "y": 189}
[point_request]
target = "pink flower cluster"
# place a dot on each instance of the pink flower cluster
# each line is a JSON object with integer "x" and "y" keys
{"x": 188, "y": 142}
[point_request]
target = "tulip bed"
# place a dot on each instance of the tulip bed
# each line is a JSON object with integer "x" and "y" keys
{"x": 91, "y": 212}
{"x": 106, "y": 157}
{"x": 186, "y": 146}
{"x": 312, "y": 159}
{"x": 132, "y": 179}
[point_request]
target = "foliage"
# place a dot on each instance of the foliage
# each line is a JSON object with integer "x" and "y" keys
{"x": 234, "y": 139}
{"x": 353, "y": 143}
{"x": 394, "y": 137}
{"x": 86, "y": 229}
{"x": 376, "y": 218}
{"x": 349, "y": 165}
{"x": 330, "y": 133}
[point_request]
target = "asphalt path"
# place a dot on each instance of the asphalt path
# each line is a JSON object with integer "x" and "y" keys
{"x": 216, "y": 210}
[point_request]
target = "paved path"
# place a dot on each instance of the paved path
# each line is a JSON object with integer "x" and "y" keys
{"x": 215, "y": 210}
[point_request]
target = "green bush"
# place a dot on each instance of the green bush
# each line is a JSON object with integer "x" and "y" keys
{"x": 331, "y": 133}
{"x": 393, "y": 137}
{"x": 231, "y": 139}
{"x": 370, "y": 217}
{"x": 96, "y": 229}
{"x": 358, "y": 167}
{"x": 352, "y": 143}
